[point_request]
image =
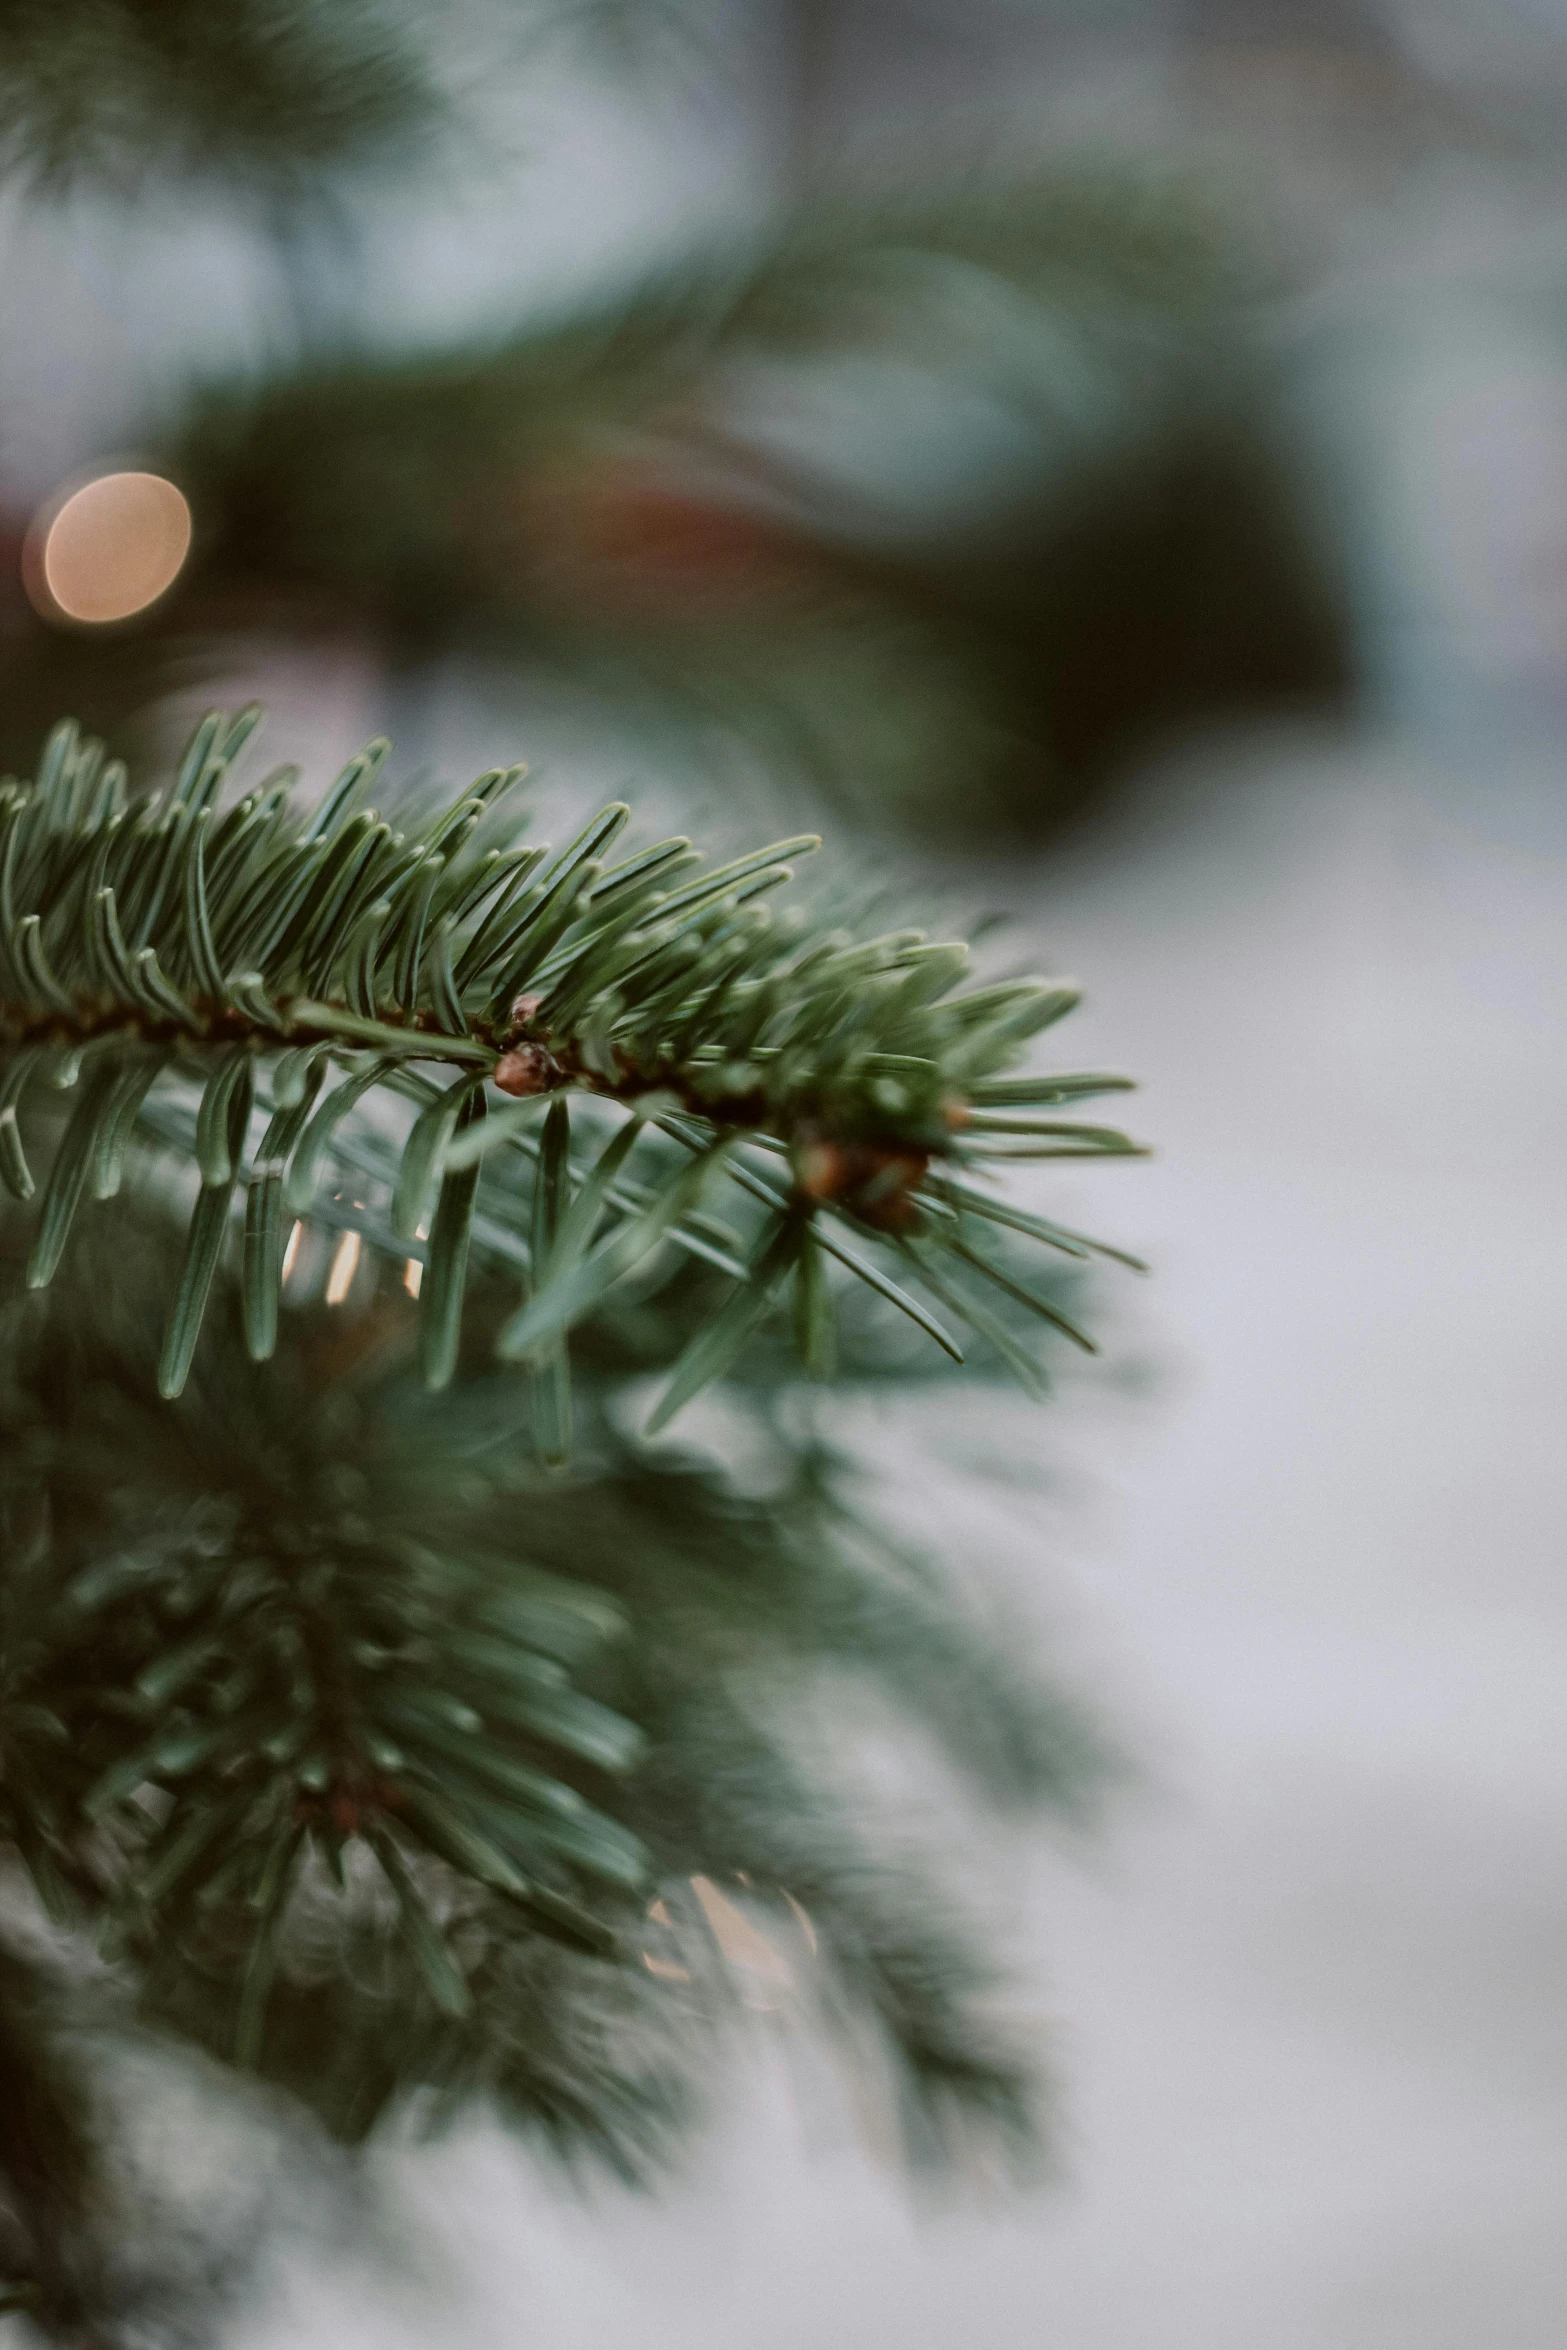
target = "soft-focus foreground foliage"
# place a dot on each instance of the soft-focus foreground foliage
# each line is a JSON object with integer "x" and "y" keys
{"x": 276, "y": 101}
{"x": 938, "y": 504}
{"x": 942, "y": 500}
{"x": 261, "y": 95}
{"x": 377, "y": 1750}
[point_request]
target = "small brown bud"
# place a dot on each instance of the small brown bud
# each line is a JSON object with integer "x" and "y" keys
{"x": 874, "y": 1184}
{"x": 818, "y": 1169}
{"x": 522, "y": 1011}
{"x": 526, "y": 1069}
{"x": 885, "y": 1194}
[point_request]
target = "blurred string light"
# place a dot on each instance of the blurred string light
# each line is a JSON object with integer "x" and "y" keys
{"x": 345, "y": 1264}
{"x": 766, "y": 1974}
{"x": 107, "y": 550}
{"x": 802, "y": 1920}
{"x": 665, "y": 1968}
{"x": 766, "y": 1978}
{"x": 413, "y": 1269}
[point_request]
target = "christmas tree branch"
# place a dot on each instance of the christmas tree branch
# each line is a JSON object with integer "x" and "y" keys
{"x": 364, "y": 1743}
{"x": 258, "y": 951}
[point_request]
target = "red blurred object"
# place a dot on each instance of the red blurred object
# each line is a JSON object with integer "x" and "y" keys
{"x": 632, "y": 535}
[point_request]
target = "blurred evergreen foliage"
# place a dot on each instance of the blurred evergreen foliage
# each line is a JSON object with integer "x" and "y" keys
{"x": 263, "y": 97}
{"x": 322, "y": 1509}
{"x": 990, "y": 483}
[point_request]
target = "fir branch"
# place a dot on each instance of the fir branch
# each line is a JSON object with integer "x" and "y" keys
{"x": 255, "y": 951}
{"x": 318, "y": 1702}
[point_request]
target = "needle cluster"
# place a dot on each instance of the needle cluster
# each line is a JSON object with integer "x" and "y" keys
{"x": 274, "y": 968}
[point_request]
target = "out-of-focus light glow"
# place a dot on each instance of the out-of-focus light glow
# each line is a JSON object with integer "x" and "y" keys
{"x": 291, "y": 1253}
{"x": 114, "y": 547}
{"x": 413, "y": 1275}
{"x": 802, "y": 1918}
{"x": 665, "y": 1969}
{"x": 345, "y": 1264}
{"x": 739, "y": 1940}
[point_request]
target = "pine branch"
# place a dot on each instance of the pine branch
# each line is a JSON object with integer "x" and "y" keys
{"x": 295, "y": 966}
{"x": 318, "y": 1703}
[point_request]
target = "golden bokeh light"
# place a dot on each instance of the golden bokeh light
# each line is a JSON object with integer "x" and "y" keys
{"x": 113, "y": 547}
{"x": 345, "y": 1264}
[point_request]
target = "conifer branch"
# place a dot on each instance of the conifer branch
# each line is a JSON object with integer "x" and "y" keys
{"x": 362, "y": 1744}
{"x": 294, "y": 966}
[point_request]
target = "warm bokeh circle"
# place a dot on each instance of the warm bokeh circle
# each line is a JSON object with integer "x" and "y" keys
{"x": 109, "y": 549}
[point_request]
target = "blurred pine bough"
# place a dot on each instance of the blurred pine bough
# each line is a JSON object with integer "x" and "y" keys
{"x": 279, "y": 106}
{"x": 259, "y": 96}
{"x": 174, "y": 1568}
{"x": 990, "y": 483}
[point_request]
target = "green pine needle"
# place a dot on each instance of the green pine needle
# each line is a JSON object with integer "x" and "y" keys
{"x": 249, "y": 948}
